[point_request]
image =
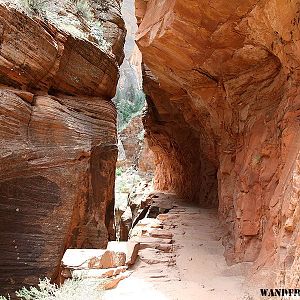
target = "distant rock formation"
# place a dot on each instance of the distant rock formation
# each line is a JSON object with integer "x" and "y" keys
{"x": 136, "y": 150}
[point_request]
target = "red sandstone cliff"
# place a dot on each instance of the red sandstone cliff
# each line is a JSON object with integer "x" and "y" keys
{"x": 58, "y": 142}
{"x": 223, "y": 118}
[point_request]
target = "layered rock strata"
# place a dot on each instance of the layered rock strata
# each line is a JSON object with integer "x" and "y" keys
{"x": 58, "y": 143}
{"x": 225, "y": 119}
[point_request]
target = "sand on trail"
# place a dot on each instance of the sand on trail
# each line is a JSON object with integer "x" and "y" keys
{"x": 194, "y": 269}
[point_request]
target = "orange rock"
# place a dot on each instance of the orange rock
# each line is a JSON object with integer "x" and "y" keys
{"x": 92, "y": 259}
{"x": 58, "y": 142}
{"x": 222, "y": 85}
{"x": 130, "y": 248}
{"x": 109, "y": 259}
{"x": 113, "y": 282}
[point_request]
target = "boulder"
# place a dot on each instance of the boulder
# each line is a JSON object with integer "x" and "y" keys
{"x": 92, "y": 259}
{"x": 79, "y": 258}
{"x": 130, "y": 248}
{"x": 109, "y": 259}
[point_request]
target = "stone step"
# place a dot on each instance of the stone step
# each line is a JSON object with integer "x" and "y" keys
{"x": 150, "y": 222}
{"x": 167, "y": 217}
{"x": 151, "y": 240}
{"x": 153, "y": 256}
{"x": 98, "y": 273}
{"x": 167, "y": 248}
{"x": 92, "y": 259}
{"x": 161, "y": 233}
{"x": 114, "y": 281}
{"x": 130, "y": 248}
{"x": 164, "y": 245}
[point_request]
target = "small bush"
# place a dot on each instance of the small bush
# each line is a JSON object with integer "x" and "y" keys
{"x": 98, "y": 33}
{"x": 73, "y": 289}
{"x": 83, "y": 9}
{"x": 104, "y": 5}
{"x": 256, "y": 159}
{"x": 130, "y": 103}
{"x": 37, "y": 7}
{"x": 118, "y": 173}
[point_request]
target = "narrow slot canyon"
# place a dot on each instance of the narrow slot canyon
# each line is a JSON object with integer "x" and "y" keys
{"x": 149, "y": 148}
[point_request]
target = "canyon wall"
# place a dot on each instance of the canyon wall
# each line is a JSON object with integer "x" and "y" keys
{"x": 222, "y": 84}
{"x": 58, "y": 141}
{"x": 136, "y": 152}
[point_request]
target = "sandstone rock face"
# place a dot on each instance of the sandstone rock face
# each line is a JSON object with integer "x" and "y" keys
{"x": 109, "y": 259}
{"x": 136, "y": 148}
{"x": 180, "y": 163}
{"x": 58, "y": 144}
{"x": 131, "y": 250}
{"x": 223, "y": 118}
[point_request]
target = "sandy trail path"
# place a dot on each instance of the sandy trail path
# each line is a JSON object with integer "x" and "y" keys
{"x": 194, "y": 268}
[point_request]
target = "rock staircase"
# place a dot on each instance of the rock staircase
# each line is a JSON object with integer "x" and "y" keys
{"x": 149, "y": 241}
{"x": 175, "y": 255}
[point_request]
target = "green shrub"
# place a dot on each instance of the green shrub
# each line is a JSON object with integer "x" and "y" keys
{"x": 129, "y": 103}
{"x": 83, "y": 9}
{"x": 256, "y": 159}
{"x": 72, "y": 289}
{"x": 98, "y": 33}
{"x": 37, "y": 7}
{"x": 119, "y": 171}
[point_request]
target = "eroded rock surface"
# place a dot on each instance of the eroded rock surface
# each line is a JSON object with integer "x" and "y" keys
{"x": 58, "y": 143}
{"x": 225, "y": 119}
{"x": 136, "y": 148}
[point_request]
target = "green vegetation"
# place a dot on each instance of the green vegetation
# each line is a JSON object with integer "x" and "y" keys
{"x": 72, "y": 289}
{"x": 37, "y": 7}
{"x": 127, "y": 180}
{"x": 98, "y": 33}
{"x": 119, "y": 172}
{"x": 256, "y": 159}
{"x": 84, "y": 9}
{"x": 129, "y": 102}
{"x": 75, "y": 17}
